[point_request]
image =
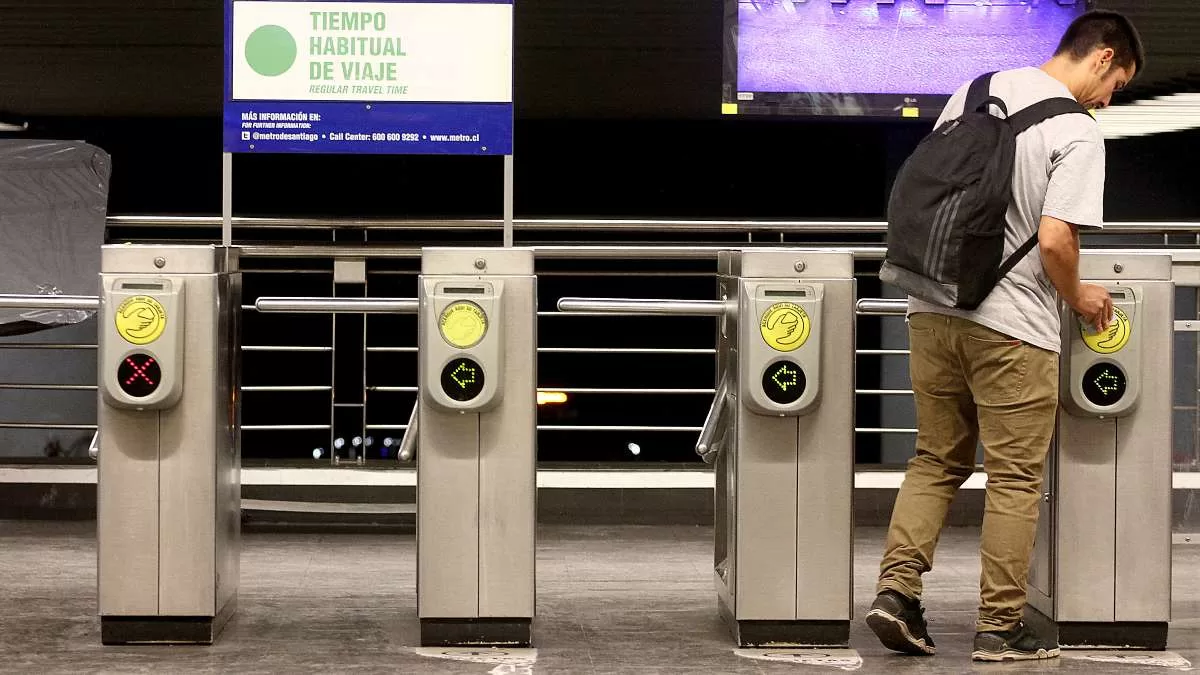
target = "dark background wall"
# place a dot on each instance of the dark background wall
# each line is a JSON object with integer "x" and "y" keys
{"x": 617, "y": 115}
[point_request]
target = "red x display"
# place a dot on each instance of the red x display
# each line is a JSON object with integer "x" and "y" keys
{"x": 139, "y": 375}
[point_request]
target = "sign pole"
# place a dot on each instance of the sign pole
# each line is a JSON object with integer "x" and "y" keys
{"x": 508, "y": 200}
{"x": 227, "y": 199}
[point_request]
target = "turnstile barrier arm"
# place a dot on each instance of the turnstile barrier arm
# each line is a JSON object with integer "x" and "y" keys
{"x": 408, "y": 444}
{"x": 881, "y": 307}
{"x": 644, "y": 307}
{"x": 89, "y": 303}
{"x": 298, "y": 305}
{"x": 714, "y": 423}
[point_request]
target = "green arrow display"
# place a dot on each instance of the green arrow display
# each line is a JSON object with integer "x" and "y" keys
{"x": 790, "y": 381}
{"x": 1108, "y": 383}
{"x": 463, "y": 380}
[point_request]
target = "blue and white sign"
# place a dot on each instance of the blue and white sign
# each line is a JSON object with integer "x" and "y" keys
{"x": 391, "y": 77}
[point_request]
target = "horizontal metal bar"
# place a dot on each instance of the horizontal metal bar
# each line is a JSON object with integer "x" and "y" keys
{"x": 393, "y": 390}
{"x": 1185, "y": 258}
{"x": 329, "y": 251}
{"x": 570, "y": 427}
{"x": 622, "y": 390}
{"x": 44, "y": 345}
{"x": 384, "y": 427}
{"x": 699, "y": 477}
{"x": 649, "y": 225}
{"x": 881, "y": 307}
{"x": 47, "y": 425}
{"x": 403, "y": 350}
{"x": 884, "y": 392}
{"x": 286, "y": 427}
{"x": 328, "y": 272}
{"x": 84, "y": 302}
{"x": 1187, "y": 326}
{"x": 283, "y": 348}
{"x": 883, "y": 430}
{"x": 338, "y": 305}
{"x": 373, "y": 508}
{"x": 283, "y": 388}
{"x": 638, "y": 307}
{"x": 642, "y": 273}
{"x": 621, "y": 350}
{"x": 882, "y": 352}
{"x": 48, "y": 387}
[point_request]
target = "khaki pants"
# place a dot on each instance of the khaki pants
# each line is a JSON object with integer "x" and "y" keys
{"x": 973, "y": 384}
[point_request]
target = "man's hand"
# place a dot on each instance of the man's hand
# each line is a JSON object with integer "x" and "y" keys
{"x": 1094, "y": 304}
{"x": 1059, "y": 243}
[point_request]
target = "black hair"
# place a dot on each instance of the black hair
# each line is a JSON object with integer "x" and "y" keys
{"x": 1102, "y": 28}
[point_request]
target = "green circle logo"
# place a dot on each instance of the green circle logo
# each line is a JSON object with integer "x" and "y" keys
{"x": 270, "y": 50}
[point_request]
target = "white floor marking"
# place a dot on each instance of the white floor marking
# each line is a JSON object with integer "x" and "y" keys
{"x": 506, "y": 661}
{"x": 842, "y": 659}
{"x": 1150, "y": 659}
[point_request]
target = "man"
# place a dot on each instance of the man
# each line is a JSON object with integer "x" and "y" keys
{"x": 991, "y": 375}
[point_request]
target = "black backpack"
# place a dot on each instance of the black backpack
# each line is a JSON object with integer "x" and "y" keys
{"x": 946, "y": 213}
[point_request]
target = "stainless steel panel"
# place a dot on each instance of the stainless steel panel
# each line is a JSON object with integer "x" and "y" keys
{"x": 1041, "y": 574}
{"x": 350, "y": 271}
{"x": 447, "y": 513}
{"x": 477, "y": 261}
{"x": 825, "y": 471}
{"x": 791, "y": 263}
{"x": 140, "y": 259}
{"x": 1085, "y": 530}
{"x": 1143, "y": 471}
{"x": 725, "y": 494}
{"x": 507, "y": 460}
{"x": 765, "y": 586}
{"x": 187, "y": 465}
{"x": 127, "y": 512}
{"x": 1124, "y": 266}
{"x": 229, "y": 440}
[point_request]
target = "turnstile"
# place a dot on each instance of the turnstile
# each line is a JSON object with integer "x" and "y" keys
{"x": 476, "y": 428}
{"x": 168, "y": 501}
{"x": 1101, "y": 573}
{"x": 781, "y": 432}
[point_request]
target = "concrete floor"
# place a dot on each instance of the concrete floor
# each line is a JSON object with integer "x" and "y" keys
{"x": 628, "y": 599}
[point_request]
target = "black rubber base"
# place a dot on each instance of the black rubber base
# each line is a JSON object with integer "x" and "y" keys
{"x": 124, "y": 630}
{"x": 476, "y": 632}
{"x": 165, "y": 630}
{"x": 793, "y": 634}
{"x": 1148, "y": 635}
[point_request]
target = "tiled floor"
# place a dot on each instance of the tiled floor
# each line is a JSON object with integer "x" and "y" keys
{"x": 610, "y": 600}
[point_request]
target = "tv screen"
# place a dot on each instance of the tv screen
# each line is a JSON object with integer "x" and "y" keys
{"x": 902, "y": 58}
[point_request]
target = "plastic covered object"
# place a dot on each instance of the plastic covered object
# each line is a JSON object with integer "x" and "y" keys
{"x": 53, "y": 205}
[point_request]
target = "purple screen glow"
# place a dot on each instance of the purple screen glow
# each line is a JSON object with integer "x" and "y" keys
{"x": 905, "y": 47}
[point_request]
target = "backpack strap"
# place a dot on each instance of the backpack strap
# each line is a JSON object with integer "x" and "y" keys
{"x": 1017, "y": 256}
{"x": 978, "y": 93}
{"x": 1041, "y": 111}
{"x": 1020, "y": 122}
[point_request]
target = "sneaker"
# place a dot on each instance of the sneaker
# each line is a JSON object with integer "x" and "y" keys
{"x": 899, "y": 622}
{"x": 1017, "y": 644}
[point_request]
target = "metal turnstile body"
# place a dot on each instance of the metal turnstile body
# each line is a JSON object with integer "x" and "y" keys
{"x": 784, "y": 477}
{"x": 1101, "y": 573}
{"x": 476, "y": 473}
{"x": 169, "y": 462}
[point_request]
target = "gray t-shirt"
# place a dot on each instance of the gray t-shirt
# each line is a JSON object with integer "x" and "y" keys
{"x": 1059, "y": 172}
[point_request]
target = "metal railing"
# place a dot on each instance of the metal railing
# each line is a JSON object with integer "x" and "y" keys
{"x": 44, "y": 302}
{"x": 688, "y": 226}
{"x": 1187, "y": 267}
